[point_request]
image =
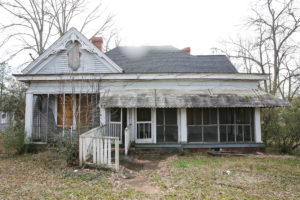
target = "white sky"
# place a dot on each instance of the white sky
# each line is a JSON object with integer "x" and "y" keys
{"x": 199, "y": 24}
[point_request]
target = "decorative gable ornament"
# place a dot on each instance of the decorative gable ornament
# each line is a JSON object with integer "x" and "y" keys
{"x": 74, "y": 57}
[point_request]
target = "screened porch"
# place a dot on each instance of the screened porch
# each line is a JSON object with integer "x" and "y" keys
{"x": 184, "y": 125}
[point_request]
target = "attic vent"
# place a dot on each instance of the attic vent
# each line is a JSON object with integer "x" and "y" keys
{"x": 74, "y": 57}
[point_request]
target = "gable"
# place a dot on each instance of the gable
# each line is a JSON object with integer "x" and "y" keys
{"x": 59, "y": 57}
{"x": 59, "y": 63}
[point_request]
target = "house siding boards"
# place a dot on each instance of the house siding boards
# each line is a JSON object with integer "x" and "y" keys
{"x": 97, "y": 85}
{"x": 89, "y": 63}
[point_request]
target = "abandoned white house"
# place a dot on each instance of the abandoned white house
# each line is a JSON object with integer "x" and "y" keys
{"x": 167, "y": 96}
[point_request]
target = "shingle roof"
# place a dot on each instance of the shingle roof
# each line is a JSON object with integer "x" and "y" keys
{"x": 155, "y": 59}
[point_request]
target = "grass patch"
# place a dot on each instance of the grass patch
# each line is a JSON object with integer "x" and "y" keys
{"x": 249, "y": 177}
{"x": 85, "y": 175}
{"x": 192, "y": 176}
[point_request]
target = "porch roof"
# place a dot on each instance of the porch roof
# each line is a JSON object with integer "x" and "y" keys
{"x": 164, "y": 98}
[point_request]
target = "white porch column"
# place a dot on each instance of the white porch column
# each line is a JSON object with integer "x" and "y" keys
{"x": 74, "y": 112}
{"x": 257, "y": 126}
{"x": 102, "y": 116}
{"x": 130, "y": 122}
{"x": 153, "y": 124}
{"x": 183, "y": 125}
{"x": 133, "y": 123}
{"x": 28, "y": 117}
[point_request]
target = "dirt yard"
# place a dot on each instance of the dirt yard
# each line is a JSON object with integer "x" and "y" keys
{"x": 153, "y": 176}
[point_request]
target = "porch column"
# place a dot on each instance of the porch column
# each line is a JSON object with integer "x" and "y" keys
{"x": 102, "y": 116}
{"x": 74, "y": 127}
{"x": 257, "y": 126}
{"x": 183, "y": 125}
{"x": 153, "y": 124}
{"x": 28, "y": 117}
{"x": 130, "y": 121}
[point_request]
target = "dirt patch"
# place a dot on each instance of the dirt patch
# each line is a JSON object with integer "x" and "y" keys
{"x": 138, "y": 172}
{"x": 139, "y": 183}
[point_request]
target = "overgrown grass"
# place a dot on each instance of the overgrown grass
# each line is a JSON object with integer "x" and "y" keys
{"x": 252, "y": 177}
{"x": 1, "y": 142}
{"x": 192, "y": 176}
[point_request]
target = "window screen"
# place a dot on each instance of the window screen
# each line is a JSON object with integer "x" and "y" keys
{"x": 229, "y": 124}
{"x": 143, "y": 114}
{"x": 115, "y": 114}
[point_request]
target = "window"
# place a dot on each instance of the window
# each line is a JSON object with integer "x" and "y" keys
{"x": 143, "y": 114}
{"x": 220, "y": 125}
{"x": 166, "y": 125}
{"x": 202, "y": 125}
{"x": 244, "y": 120}
{"x": 210, "y": 125}
{"x": 143, "y": 123}
{"x": 194, "y": 122}
{"x": 227, "y": 125}
{"x": 115, "y": 114}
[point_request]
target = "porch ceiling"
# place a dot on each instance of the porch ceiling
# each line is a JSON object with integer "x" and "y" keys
{"x": 190, "y": 98}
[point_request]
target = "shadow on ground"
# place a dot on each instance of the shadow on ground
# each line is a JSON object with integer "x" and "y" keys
{"x": 142, "y": 161}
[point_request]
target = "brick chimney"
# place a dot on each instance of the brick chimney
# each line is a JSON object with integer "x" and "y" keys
{"x": 187, "y": 50}
{"x": 98, "y": 42}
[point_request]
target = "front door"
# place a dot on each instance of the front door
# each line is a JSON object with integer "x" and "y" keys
{"x": 166, "y": 125}
{"x": 144, "y": 131}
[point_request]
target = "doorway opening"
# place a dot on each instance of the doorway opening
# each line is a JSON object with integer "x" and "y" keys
{"x": 166, "y": 125}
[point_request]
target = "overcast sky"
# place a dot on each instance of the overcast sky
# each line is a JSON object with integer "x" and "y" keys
{"x": 199, "y": 24}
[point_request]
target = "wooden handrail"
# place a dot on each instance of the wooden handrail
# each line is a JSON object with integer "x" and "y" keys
{"x": 99, "y": 147}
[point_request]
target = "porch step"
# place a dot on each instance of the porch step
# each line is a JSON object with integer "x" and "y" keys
{"x": 165, "y": 148}
{"x": 158, "y": 145}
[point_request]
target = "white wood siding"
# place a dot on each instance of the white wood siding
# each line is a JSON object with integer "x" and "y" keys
{"x": 56, "y": 87}
{"x": 58, "y": 64}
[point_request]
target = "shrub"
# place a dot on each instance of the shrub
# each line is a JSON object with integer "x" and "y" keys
{"x": 68, "y": 147}
{"x": 281, "y": 127}
{"x": 13, "y": 139}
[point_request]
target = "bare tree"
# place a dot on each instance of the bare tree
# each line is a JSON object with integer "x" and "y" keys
{"x": 273, "y": 49}
{"x": 64, "y": 13}
{"x": 31, "y": 24}
{"x": 35, "y": 23}
{"x": 4, "y": 71}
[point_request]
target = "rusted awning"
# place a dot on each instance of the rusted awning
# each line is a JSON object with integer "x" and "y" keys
{"x": 163, "y": 98}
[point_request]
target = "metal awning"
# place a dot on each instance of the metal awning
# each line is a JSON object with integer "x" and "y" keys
{"x": 163, "y": 98}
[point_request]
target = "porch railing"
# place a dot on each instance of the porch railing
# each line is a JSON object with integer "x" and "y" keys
{"x": 115, "y": 130}
{"x": 96, "y": 149}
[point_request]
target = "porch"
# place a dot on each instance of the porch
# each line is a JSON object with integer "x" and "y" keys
{"x": 187, "y": 127}
{"x": 193, "y": 118}
{"x": 187, "y": 119}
